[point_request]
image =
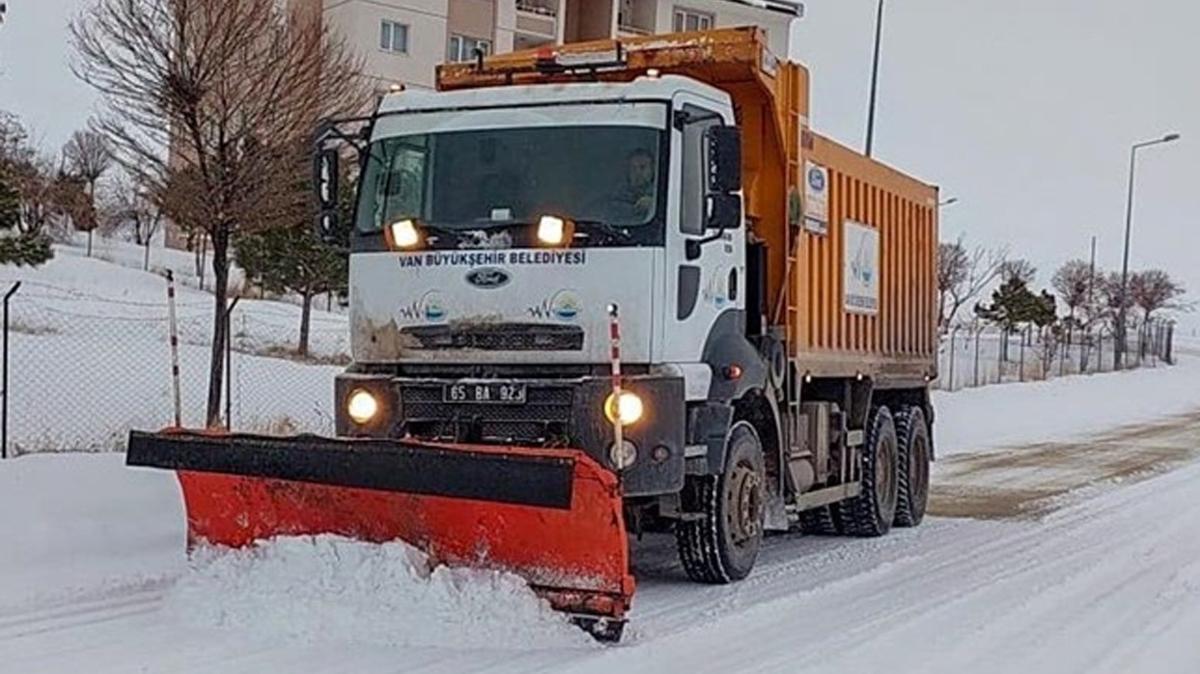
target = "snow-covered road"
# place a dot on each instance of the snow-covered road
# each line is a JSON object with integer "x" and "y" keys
{"x": 1075, "y": 555}
{"x": 1110, "y": 584}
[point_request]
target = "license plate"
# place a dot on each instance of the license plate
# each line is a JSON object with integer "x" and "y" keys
{"x": 498, "y": 393}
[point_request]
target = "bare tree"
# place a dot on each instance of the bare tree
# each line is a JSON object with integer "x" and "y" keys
{"x": 87, "y": 155}
{"x": 1020, "y": 269}
{"x": 130, "y": 208}
{"x": 952, "y": 269}
{"x": 209, "y": 103}
{"x": 1112, "y": 297}
{"x": 963, "y": 275}
{"x": 71, "y": 204}
{"x": 35, "y": 181}
{"x": 14, "y": 141}
{"x": 1074, "y": 284}
{"x": 1154, "y": 290}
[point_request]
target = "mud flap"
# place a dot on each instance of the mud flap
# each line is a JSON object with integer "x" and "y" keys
{"x": 552, "y": 516}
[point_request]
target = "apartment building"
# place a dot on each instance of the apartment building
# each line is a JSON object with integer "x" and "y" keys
{"x": 401, "y": 41}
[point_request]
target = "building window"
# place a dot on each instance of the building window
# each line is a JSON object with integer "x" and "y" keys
{"x": 462, "y": 48}
{"x": 687, "y": 19}
{"x": 393, "y": 37}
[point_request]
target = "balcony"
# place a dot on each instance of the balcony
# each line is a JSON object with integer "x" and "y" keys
{"x": 635, "y": 17}
{"x": 546, "y": 8}
{"x": 626, "y": 30}
{"x": 538, "y": 19}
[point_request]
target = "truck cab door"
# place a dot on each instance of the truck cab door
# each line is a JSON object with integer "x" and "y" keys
{"x": 709, "y": 282}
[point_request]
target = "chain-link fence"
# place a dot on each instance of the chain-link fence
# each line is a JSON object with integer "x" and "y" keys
{"x": 85, "y": 368}
{"x": 982, "y": 355}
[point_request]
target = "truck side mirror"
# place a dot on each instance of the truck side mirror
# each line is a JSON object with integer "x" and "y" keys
{"x": 723, "y": 211}
{"x": 327, "y": 226}
{"x": 724, "y": 159}
{"x": 325, "y": 185}
{"x": 325, "y": 178}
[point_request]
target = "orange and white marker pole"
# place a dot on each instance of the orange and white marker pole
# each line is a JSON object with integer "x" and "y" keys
{"x": 614, "y": 333}
{"x": 174, "y": 338}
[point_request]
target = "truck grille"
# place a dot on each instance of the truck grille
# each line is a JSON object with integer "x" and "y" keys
{"x": 542, "y": 419}
{"x": 499, "y": 337}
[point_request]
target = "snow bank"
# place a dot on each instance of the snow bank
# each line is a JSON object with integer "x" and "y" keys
{"x": 79, "y": 526}
{"x": 84, "y": 524}
{"x": 1060, "y": 409}
{"x": 332, "y": 589}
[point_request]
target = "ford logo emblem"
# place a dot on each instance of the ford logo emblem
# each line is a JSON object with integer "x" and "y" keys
{"x": 488, "y": 277}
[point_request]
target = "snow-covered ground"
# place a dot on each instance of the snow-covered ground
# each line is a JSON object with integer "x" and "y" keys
{"x": 972, "y": 420}
{"x": 94, "y": 577}
{"x": 90, "y": 357}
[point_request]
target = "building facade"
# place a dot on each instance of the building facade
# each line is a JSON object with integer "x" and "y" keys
{"x": 402, "y": 41}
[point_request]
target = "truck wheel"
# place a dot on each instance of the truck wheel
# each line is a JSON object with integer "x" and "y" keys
{"x": 872, "y": 511}
{"x": 912, "y": 439}
{"x": 722, "y": 545}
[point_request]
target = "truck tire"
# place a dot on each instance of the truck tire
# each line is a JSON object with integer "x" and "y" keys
{"x": 722, "y": 545}
{"x": 912, "y": 440}
{"x": 871, "y": 513}
{"x": 821, "y": 521}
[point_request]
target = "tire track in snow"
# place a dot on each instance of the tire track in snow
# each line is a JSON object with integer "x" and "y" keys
{"x": 78, "y": 613}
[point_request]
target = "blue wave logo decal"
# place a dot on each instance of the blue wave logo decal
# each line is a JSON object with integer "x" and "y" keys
{"x": 563, "y": 305}
{"x": 566, "y": 306}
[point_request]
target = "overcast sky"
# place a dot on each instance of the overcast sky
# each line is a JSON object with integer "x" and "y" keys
{"x": 1023, "y": 109}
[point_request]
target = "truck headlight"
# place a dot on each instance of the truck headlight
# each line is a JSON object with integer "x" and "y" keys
{"x": 629, "y": 409}
{"x": 405, "y": 234}
{"x": 361, "y": 406}
{"x": 552, "y": 230}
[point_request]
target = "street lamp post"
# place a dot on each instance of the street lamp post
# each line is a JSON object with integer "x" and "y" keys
{"x": 949, "y": 202}
{"x": 874, "y": 80}
{"x": 1119, "y": 351}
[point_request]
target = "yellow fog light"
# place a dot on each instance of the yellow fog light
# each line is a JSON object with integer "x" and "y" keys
{"x": 552, "y": 231}
{"x": 362, "y": 406}
{"x": 629, "y": 410}
{"x": 405, "y": 234}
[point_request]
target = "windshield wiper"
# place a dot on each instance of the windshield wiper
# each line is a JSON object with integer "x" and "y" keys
{"x": 597, "y": 226}
{"x": 456, "y": 235}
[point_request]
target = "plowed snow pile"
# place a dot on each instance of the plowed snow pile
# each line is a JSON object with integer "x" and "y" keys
{"x": 333, "y": 589}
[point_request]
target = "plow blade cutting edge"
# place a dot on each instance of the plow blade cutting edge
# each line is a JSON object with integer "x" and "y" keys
{"x": 551, "y": 516}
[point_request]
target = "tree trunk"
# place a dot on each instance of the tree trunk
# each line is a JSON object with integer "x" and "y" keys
{"x": 201, "y": 249}
{"x": 146, "y": 257}
{"x": 92, "y": 202}
{"x": 216, "y": 370}
{"x": 305, "y": 319}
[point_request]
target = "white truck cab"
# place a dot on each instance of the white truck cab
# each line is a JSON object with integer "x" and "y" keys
{"x": 494, "y": 230}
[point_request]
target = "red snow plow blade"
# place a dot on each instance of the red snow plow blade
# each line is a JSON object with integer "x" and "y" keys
{"x": 552, "y": 516}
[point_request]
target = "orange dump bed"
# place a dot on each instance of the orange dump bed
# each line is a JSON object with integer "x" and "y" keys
{"x": 851, "y": 243}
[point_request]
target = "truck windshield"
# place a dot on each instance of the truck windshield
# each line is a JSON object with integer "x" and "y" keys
{"x": 603, "y": 177}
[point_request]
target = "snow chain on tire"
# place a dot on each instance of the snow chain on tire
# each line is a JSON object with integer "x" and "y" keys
{"x": 820, "y": 521}
{"x": 912, "y": 435}
{"x": 697, "y": 540}
{"x": 871, "y": 512}
{"x": 705, "y": 547}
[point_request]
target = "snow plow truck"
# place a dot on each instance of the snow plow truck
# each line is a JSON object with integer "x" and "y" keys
{"x": 595, "y": 290}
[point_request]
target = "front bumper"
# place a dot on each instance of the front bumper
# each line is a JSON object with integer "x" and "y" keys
{"x": 561, "y": 412}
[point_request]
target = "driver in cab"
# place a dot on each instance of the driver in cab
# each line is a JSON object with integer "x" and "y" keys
{"x": 633, "y": 201}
